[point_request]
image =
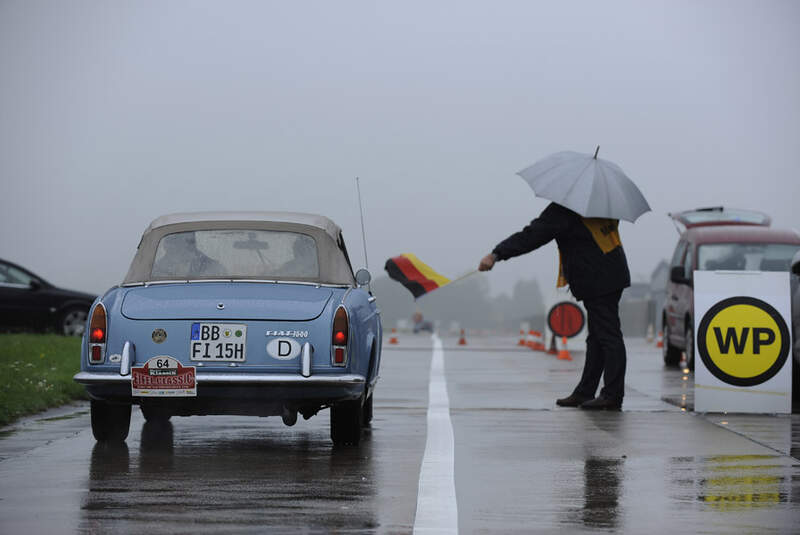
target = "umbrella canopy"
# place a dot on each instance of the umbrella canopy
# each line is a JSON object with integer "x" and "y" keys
{"x": 585, "y": 184}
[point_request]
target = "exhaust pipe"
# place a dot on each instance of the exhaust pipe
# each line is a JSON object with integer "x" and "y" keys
{"x": 289, "y": 417}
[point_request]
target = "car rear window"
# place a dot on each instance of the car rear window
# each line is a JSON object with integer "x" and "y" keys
{"x": 233, "y": 254}
{"x": 745, "y": 256}
{"x": 12, "y": 275}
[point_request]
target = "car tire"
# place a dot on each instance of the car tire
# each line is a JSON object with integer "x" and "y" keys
{"x": 689, "y": 351}
{"x": 672, "y": 355}
{"x": 367, "y": 410}
{"x": 72, "y": 322}
{"x": 153, "y": 414}
{"x": 110, "y": 422}
{"x": 346, "y": 422}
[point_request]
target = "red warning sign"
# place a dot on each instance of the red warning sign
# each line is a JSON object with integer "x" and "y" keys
{"x": 566, "y": 319}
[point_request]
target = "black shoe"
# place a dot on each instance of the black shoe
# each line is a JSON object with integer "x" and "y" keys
{"x": 573, "y": 400}
{"x": 602, "y": 404}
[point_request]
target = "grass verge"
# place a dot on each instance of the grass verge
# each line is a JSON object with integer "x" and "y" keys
{"x": 36, "y": 373}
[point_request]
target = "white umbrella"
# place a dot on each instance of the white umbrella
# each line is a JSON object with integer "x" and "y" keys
{"x": 585, "y": 184}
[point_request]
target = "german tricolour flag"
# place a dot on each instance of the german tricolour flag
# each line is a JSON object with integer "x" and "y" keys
{"x": 414, "y": 274}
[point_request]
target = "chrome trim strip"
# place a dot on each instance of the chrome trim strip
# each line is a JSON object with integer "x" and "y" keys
{"x": 15, "y": 285}
{"x": 89, "y": 378}
{"x": 128, "y": 356}
{"x": 305, "y": 360}
{"x": 262, "y": 281}
{"x": 346, "y": 294}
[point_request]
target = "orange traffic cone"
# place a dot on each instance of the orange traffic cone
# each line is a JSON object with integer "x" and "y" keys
{"x": 521, "y": 338}
{"x": 529, "y": 340}
{"x": 538, "y": 345}
{"x": 660, "y": 342}
{"x": 552, "y": 350}
{"x": 563, "y": 354}
{"x": 393, "y": 339}
{"x": 462, "y": 341}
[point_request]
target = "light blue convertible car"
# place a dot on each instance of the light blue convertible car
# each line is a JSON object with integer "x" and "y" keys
{"x": 241, "y": 313}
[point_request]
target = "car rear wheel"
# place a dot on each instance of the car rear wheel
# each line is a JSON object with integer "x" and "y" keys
{"x": 346, "y": 421}
{"x": 672, "y": 355}
{"x": 689, "y": 347}
{"x": 110, "y": 423}
{"x": 73, "y": 322}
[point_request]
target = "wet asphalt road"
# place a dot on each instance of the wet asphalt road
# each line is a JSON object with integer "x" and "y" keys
{"x": 521, "y": 465}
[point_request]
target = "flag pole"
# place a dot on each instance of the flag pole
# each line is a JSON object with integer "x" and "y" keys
{"x": 464, "y": 276}
{"x": 460, "y": 277}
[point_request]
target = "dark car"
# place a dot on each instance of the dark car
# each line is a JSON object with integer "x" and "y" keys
{"x": 28, "y": 302}
{"x": 796, "y": 325}
{"x": 716, "y": 239}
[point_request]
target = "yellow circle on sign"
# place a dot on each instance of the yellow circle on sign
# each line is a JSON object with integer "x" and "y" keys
{"x": 743, "y": 340}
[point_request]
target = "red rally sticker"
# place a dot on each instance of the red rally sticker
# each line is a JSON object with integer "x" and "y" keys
{"x": 163, "y": 376}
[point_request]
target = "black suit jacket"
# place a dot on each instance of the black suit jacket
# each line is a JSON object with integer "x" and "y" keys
{"x": 589, "y": 271}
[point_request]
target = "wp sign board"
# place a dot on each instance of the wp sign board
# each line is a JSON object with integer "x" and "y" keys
{"x": 743, "y": 339}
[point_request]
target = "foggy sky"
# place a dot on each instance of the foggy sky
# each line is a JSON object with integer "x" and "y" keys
{"x": 113, "y": 113}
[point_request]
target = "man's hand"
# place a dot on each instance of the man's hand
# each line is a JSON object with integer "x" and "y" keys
{"x": 487, "y": 262}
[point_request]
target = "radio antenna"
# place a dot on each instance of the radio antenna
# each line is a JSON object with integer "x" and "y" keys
{"x": 363, "y": 233}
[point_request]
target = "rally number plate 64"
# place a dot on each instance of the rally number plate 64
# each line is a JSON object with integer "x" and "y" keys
{"x": 218, "y": 342}
{"x": 163, "y": 376}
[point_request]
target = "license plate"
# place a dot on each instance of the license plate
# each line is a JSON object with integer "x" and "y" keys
{"x": 219, "y": 342}
{"x": 163, "y": 376}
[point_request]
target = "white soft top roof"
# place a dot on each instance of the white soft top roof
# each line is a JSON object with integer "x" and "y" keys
{"x": 334, "y": 265}
{"x": 299, "y": 218}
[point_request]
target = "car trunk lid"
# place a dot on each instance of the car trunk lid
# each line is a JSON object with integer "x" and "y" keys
{"x": 224, "y": 301}
{"x": 719, "y": 215}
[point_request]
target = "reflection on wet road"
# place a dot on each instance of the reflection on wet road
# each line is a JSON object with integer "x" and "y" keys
{"x": 244, "y": 477}
{"x": 521, "y": 464}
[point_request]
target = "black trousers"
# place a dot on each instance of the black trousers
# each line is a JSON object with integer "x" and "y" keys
{"x": 605, "y": 349}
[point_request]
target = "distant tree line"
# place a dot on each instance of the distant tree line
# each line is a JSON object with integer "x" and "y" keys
{"x": 467, "y": 302}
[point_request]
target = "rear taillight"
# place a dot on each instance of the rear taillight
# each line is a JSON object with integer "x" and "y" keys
{"x": 341, "y": 333}
{"x": 98, "y": 326}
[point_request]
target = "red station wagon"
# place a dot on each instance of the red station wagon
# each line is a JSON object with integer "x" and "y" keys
{"x": 717, "y": 239}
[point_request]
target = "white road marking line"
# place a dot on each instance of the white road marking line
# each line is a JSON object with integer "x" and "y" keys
{"x": 437, "y": 509}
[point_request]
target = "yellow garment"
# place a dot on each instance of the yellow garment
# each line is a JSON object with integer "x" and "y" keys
{"x": 606, "y": 235}
{"x": 562, "y": 280}
{"x": 604, "y": 231}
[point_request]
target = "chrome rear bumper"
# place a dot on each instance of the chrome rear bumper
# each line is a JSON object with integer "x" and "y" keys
{"x": 109, "y": 378}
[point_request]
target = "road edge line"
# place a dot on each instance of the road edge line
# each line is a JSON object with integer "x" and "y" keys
{"x": 437, "y": 507}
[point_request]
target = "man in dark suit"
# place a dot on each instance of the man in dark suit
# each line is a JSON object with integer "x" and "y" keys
{"x": 593, "y": 263}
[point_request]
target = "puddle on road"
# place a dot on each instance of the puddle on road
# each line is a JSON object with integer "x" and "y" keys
{"x": 64, "y": 417}
{"x": 602, "y": 479}
{"x": 731, "y": 483}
